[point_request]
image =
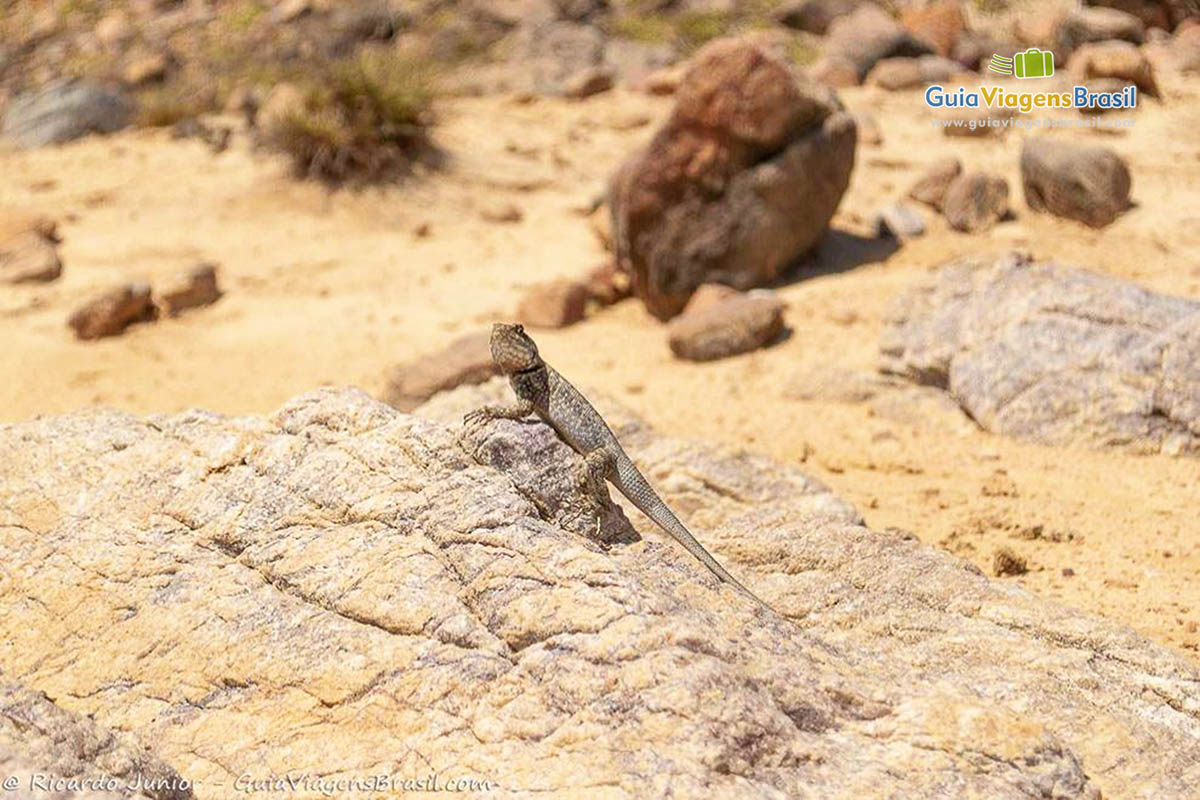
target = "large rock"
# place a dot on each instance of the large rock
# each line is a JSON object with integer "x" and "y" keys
{"x": 44, "y": 745}
{"x": 65, "y": 110}
{"x": 1086, "y": 183}
{"x": 340, "y": 589}
{"x": 1054, "y": 354}
{"x": 741, "y": 179}
{"x": 869, "y": 34}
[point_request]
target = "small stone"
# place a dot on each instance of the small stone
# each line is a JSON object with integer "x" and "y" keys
{"x": 110, "y": 313}
{"x": 663, "y": 81}
{"x": 607, "y": 284}
{"x": 735, "y": 325}
{"x": 1006, "y": 561}
{"x": 114, "y": 30}
{"x": 868, "y": 130}
{"x": 289, "y": 10}
{"x": 466, "y": 360}
{"x": 899, "y": 221}
{"x": 244, "y": 100}
{"x": 588, "y": 82}
{"x": 895, "y": 74}
{"x": 600, "y": 221}
{"x": 1067, "y": 572}
{"x": 1085, "y": 183}
{"x": 975, "y": 202}
{"x": 502, "y": 213}
{"x": 192, "y": 289}
{"x": 29, "y": 254}
{"x": 556, "y": 304}
{"x": 836, "y": 72}
{"x": 146, "y": 68}
{"x": 931, "y": 187}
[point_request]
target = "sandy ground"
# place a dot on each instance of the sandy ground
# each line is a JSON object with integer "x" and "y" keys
{"x": 334, "y": 288}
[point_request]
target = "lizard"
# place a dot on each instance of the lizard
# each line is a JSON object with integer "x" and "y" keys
{"x": 541, "y": 390}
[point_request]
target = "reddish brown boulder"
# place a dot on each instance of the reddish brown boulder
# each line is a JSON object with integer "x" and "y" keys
{"x": 740, "y": 181}
{"x": 112, "y": 312}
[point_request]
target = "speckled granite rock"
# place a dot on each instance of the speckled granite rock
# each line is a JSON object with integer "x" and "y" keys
{"x": 1054, "y": 354}
{"x": 343, "y": 589}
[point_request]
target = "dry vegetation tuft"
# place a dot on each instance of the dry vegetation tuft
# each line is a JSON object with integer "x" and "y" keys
{"x": 363, "y": 118}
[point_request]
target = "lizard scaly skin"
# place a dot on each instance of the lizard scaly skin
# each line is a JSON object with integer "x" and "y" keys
{"x": 541, "y": 390}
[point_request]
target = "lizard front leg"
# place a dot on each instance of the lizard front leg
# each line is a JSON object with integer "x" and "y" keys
{"x": 521, "y": 408}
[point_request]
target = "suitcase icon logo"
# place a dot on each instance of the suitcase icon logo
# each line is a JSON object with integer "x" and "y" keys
{"x": 1033, "y": 63}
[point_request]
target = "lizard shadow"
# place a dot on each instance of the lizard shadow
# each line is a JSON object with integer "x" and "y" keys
{"x": 545, "y": 470}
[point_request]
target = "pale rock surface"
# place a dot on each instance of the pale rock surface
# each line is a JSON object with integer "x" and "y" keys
{"x": 1054, "y": 354}
{"x": 43, "y": 745}
{"x": 344, "y": 588}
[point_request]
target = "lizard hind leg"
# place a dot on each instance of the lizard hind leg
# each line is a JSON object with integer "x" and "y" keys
{"x": 597, "y": 466}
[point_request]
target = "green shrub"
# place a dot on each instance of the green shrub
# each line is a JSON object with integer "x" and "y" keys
{"x": 362, "y": 118}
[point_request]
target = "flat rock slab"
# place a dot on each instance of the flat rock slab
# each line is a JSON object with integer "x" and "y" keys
{"x": 348, "y": 590}
{"x": 1054, "y": 354}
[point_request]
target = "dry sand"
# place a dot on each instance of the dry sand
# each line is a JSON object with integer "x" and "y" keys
{"x": 334, "y": 288}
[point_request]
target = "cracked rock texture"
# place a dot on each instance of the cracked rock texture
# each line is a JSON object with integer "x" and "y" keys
{"x": 344, "y": 589}
{"x": 43, "y": 746}
{"x": 1054, "y": 354}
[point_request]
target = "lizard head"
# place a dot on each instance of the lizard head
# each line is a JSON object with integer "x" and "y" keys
{"x": 513, "y": 350}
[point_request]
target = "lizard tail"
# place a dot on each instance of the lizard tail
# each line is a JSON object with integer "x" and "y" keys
{"x": 649, "y": 503}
